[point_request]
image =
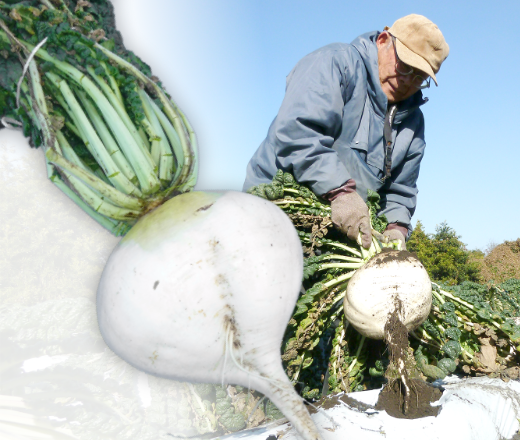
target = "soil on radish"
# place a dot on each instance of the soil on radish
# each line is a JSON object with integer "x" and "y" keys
{"x": 422, "y": 395}
{"x": 390, "y": 400}
{"x": 406, "y": 395}
{"x": 388, "y": 254}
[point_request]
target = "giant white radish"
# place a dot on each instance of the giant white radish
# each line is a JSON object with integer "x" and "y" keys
{"x": 201, "y": 289}
{"x": 385, "y": 299}
{"x": 389, "y": 277}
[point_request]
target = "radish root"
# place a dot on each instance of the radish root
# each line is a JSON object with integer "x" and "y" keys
{"x": 396, "y": 338}
{"x": 274, "y": 389}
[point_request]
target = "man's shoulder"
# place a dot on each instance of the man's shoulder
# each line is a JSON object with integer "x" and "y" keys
{"x": 340, "y": 54}
{"x": 333, "y": 49}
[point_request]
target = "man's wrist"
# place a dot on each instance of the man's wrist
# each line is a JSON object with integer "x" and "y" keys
{"x": 401, "y": 227}
{"x": 348, "y": 187}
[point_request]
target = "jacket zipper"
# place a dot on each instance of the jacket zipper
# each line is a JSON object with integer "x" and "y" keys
{"x": 387, "y": 135}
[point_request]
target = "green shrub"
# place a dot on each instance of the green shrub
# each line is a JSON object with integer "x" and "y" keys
{"x": 444, "y": 256}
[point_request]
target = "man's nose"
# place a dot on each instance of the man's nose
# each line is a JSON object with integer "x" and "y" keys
{"x": 404, "y": 79}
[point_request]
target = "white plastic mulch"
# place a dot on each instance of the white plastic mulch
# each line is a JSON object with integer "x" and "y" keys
{"x": 58, "y": 380}
{"x": 471, "y": 409}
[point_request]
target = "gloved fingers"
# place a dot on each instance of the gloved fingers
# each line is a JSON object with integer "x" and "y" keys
{"x": 361, "y": 232}
{"x": 382, "y": 238}
{"x": 353, "y": 232}
{"x": 366, "y": 233}
{"x": 394, "y": 234}
{"x": 350, "y": 215}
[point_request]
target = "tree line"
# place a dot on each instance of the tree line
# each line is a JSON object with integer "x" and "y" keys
{"x": 444, "y": 255}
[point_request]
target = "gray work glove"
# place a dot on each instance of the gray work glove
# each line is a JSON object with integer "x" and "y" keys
{"x": 350, "y": 215}
{"x": 396, "y": 234}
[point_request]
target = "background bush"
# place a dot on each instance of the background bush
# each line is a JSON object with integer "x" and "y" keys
{"x": 444, "y": 256}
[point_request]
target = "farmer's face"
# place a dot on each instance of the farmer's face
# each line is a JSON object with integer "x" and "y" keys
{"x": 395, "y": 86}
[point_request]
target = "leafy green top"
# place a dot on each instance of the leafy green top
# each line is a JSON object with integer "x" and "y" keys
{"x": 71, "y": 33}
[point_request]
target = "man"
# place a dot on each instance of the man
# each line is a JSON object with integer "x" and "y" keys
{"x": 350, "y": 121}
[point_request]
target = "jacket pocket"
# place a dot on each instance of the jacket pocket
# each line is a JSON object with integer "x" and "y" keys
{"x": 361, "y": 139}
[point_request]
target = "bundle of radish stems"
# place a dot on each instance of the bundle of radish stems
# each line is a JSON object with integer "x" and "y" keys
{"x": 114, "y": 141}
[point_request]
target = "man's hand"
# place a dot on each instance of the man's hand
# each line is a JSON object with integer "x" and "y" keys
{"x": 350, "y": 215}
{"x": 396, "y": 234}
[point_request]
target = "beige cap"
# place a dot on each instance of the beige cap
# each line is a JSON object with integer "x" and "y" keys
{"x": 419, "y": 43}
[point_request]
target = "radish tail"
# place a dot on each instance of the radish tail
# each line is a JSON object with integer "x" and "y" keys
{"x": 276, "y": 386}
{"x": 283, "y": 395}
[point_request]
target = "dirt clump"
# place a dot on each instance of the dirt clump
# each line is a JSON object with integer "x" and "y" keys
{"x": 406, "y": 395}
{"x": 391, "y": 399}
{"x": 396, "y": 338}
{"x": 333, "y": 400}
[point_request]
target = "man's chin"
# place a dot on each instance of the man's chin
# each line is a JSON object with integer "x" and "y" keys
{"x": 392, "y": 97}
{"x": 391, "y": 94}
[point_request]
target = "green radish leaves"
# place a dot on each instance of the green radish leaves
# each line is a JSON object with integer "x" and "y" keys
{"x": 84, "y": 102}
{"x": 463, "y": 317}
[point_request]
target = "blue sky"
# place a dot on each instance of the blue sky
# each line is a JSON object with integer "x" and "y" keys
{"x": 225, "y": 62}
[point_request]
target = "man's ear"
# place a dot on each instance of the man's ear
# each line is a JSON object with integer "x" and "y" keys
{"x": 383, "y": 39}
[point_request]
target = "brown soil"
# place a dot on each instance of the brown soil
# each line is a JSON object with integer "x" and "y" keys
{"x": 401, "y": 370}
{"x": 405, "y": 395}
{"x": 502, "y": 263}
{"x": 333, "y": 400}
{"x": 396, "y": 338}
{"x": 391, "y": 399}
{"x": 388, "y": 254}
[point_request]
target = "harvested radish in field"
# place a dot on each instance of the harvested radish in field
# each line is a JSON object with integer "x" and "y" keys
{"x": 324, "y": 354}
{"x": 201, "y": 289}
{"x": 389, "y": 277}
{"x": 385, "y": 299}
{"x": 386, "y": 293}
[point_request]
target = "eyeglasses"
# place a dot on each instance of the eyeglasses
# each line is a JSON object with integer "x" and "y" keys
{"x": 418, "y": 81}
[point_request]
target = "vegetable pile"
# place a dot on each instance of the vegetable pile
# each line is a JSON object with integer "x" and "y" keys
{"x": 114, "y": 140}
{"x": 471, "y": 329}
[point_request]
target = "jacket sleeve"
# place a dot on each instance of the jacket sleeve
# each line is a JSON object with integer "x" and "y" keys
{"x": 399, "y": 195}
{"x": 309, "y": 121}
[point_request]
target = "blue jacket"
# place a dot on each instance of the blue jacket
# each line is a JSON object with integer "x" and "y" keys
{"x": 330, "y": 129}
